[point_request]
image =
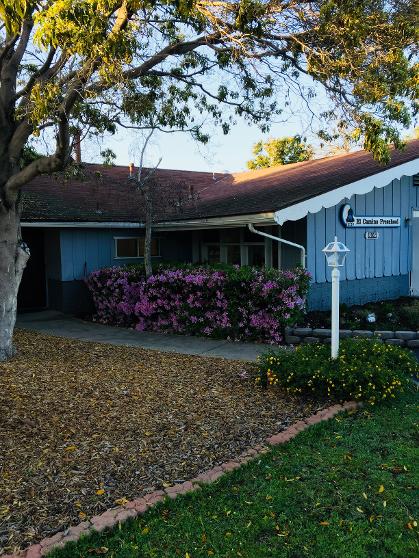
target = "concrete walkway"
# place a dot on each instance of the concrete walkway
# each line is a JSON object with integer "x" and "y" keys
{"x": 56, "y": 323}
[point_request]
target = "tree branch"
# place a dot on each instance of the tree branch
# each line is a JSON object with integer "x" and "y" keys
{"x": 170, "y": 50}
{"x": 43, "y": 165}
{"x": 41, "y": 73}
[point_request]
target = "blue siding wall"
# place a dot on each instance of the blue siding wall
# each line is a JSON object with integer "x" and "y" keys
{"x": 359, "y": 291}
{"x": 85, "y": 250}
{"x": 389, "y": 255}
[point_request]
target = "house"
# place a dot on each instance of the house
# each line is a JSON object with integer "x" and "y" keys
{"x": 77, "y": 224}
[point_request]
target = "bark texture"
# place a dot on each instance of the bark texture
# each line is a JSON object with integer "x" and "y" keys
{"x": 14, "y": 255}
{"x": 148, "y": 228}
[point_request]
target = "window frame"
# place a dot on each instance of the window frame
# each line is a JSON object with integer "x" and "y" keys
{"x": 138, "y": 239}
{"x": 243, "y": 244}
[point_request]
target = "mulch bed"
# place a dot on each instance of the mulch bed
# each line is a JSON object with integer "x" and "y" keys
{"x": 84, "y": 426}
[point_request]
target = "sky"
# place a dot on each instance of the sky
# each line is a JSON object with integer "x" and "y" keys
{"x": 179, "y": 151}
{"x": 222, "y": 153}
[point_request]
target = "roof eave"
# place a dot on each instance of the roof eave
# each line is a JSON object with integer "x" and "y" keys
{"x": 314, "y": 204}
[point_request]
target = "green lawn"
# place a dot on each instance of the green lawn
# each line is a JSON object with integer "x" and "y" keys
{"x": 339, "y": 489}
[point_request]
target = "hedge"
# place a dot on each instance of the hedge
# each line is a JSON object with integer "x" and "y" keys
{"x": 223, "y": 302}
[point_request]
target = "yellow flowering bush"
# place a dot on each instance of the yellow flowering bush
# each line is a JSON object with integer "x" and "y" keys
{"x": 365, "y": 370}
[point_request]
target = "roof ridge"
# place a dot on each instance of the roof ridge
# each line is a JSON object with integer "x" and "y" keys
{"x": 209, "y": 173}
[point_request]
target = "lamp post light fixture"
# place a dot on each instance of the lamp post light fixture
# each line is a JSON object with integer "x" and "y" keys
{"x": 335, "y": 253}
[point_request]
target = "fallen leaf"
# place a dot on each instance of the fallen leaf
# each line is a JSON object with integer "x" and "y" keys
{"x": 324, "y": 523}
{"x": 381, "y": 489}
{"x": 83, "y": 399}
{"x": 121, "y": 501}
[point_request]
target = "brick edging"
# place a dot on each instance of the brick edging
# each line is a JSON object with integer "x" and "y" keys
{"x": 139, "y": 506}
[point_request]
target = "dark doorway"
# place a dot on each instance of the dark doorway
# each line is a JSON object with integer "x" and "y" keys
{"x": 32, "y": 291}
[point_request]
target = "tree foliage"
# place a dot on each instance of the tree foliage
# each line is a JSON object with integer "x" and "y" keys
{"x": 280, "y": 151}
{"x": 100, "y": 64}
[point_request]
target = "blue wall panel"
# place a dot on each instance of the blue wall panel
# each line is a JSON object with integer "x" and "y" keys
{"x": 359, "y": 291}
{"x": 359, "y": 254}
{"x": 350, "y": 236}
{"x": 379, "y": 244}
{"x": 395, "y": 245}
{"x": 80, "y": 253}
{"x": 311, "y": 244}
{"x": 66, "y": 241}
{"x": 84, "y": 250}
{"x": 387, "y": 234}
{"x": 370, "y": 209}
{"x": 320, "y": 273}
{"x": 105, "y": 248}
{"x": 404, "y": 230}
{"x": 389, "y": 255}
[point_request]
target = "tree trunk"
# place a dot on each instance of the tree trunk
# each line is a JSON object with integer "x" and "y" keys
{"x": 148, "y": 227}
{"x": 13, "y": 257}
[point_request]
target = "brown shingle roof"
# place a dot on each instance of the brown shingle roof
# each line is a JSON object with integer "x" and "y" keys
{"x": 104, "y": 194}
{"x": 107, "y": 194}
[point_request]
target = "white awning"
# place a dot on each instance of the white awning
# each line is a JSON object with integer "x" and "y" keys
{"x": 333, "y": 197}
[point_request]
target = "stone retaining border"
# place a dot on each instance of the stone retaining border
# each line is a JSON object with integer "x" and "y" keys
{"x": 297, "y": 335}
{"x": 139, "y": 506}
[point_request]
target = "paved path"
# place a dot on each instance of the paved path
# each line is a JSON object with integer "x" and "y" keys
{"x": 55, "y": 323}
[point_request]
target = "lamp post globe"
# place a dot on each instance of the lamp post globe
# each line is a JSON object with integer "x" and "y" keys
{"x": 335, "y": 253}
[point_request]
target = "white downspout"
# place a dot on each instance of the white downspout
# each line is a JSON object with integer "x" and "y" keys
{"x": 299, "y": 246}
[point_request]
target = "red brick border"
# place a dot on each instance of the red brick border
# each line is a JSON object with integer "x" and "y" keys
{"x": 136, "y": 507}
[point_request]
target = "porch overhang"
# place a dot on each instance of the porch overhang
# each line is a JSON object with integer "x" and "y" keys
{"x": 261, "y": 219}
{"x": 217, "y": 222}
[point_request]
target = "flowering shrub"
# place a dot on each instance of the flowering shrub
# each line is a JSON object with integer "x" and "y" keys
{"x": 111, "y": 289}
{"x": 365, "y": 370}
{"x": 240, "y": 303}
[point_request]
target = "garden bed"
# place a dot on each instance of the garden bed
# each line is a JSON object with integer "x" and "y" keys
{"x": 90, "y": 424}
{"x": 388, "y": 315}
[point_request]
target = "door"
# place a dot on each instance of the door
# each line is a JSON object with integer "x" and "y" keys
{"x": 414, "y": 275}
{"x": 32, "y": 291}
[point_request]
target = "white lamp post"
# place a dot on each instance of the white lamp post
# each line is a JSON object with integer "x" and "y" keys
{"x": 335, "y": 253}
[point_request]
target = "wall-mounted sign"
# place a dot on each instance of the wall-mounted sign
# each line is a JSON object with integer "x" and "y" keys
{"x": 350, "y": 220}
{"x": 372, "y": 235}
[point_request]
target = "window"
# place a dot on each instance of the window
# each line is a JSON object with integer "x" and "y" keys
{"x": 235, "y": 246}
{"x": 233, "y": 255}
{"x": 155, "y": 251}
{"x": 133, "y": 247}
{"x": 256, "y": 255}
{"x": 126, "y": 247}
{"x": 213, "y": 253}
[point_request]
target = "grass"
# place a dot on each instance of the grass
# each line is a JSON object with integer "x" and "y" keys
{"x": 340, "y": 489}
